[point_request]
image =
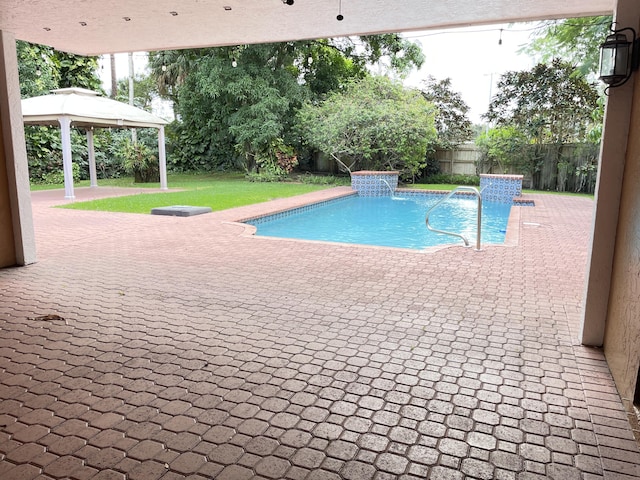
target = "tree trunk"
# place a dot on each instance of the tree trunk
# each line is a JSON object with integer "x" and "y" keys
{"x": 114, "y": 78}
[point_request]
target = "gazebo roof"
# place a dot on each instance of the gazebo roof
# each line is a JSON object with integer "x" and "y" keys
{"x": 85, "y": 108}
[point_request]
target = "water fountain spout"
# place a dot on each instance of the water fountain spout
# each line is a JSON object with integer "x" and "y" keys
{"x": 391, "y": 190}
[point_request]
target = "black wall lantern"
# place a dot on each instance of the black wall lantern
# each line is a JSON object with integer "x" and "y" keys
{"x": 619, "y": 57}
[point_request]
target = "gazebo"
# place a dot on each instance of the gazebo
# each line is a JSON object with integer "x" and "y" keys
{"x": 84, "y": 108}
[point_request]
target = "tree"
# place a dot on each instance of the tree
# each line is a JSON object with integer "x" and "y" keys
{"x": 549, "y": 106}
{"x": 505, "y": 146}
{"x": 374, "y": 124}
{"x": 36, "y": 68}
{"x": 145, "y": 90}
{"x": 323, "y": 64}
{"x": 451, "y": 120}
{"x": 238, "y": 111}
{"x": 551, "y": 103}
{"x": 170, "y": 69}
{"x": 236, "y": 103}
{"x": 77, "y": 71}
{"x": 575, "y": 40}
{"x": 42, "y": 69}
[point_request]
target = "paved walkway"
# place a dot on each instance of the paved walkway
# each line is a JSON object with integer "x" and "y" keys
{"x": 186, "y": 348}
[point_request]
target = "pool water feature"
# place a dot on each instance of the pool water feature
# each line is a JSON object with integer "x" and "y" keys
{"x": 389, "y": 221}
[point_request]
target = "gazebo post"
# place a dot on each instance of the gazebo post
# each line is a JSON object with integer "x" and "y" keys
{"x": 163, "y": 159}
{"x": 92, "y": 158}
{"x": 67, "y": 162}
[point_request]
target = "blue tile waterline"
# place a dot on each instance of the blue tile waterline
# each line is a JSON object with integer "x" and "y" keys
{"x": 386, "y": 221}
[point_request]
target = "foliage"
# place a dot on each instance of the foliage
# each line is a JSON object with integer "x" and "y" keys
{"x": 233, "y": 102}
{"x": 546, "y": 107}
{"x": 265, "y": 177}
{"x": 277, "y": 159}
{"x": 506, "y": 147}
{"x": 42, "y": 69}
{"x": 44, "y": 153}
{"x": 107, "y": 164}
{"x": 551, "y": 103}
{"x": 374, "y": 124}
{"x": 237, "y": 112}
{"x": 451, "y": 118}
{"x": 575, "y": 40}
{"x": 170, "y": 68}
{"x": 36, "y": 69}
{"x": 139, "y": 158}
{"x": 145, "y": 90}
{"x": 455, "y": 179}
{"x": 77, "y": 71}
{"x": 57, "y": 177}
{"x": 323, "y": 179}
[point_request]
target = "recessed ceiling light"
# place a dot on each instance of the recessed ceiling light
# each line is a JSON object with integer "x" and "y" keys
{"x": 227, "y": 8}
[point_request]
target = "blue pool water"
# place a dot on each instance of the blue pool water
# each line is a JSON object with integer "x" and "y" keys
{"x": 389, "y": 222}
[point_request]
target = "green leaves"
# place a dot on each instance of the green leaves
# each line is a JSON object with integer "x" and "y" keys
{"x": 551, "y": 103}
{"x": 451, "y": 120}
{"x": 575, "y": 40}
{"x": 373, "y": 123}
{"x": 238, "y": 100}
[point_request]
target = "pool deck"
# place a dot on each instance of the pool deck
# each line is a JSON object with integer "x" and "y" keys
{"x": 181, "y": 347}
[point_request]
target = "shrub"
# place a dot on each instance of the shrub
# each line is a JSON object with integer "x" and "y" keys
{"x": 322, "y": 179}
{"x": 265, "y": 177}
{"x": 277, "y": 160}
{"x": 57, "y": 177}
{"x": 139, "y": 160}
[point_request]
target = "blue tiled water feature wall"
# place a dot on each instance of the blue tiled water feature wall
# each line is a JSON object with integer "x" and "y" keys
{"x": 374, "y": 184}
{"x": 500, "y": 188}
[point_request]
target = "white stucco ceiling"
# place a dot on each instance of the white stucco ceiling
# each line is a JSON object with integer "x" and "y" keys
{"x": 94, "y": 27}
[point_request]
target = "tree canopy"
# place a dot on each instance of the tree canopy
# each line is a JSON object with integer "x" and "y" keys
{"x": 373, "y": 123}
{"x": 235, "y": 103}
{"x": 42, "y": 69}
{"x": 575, "y": 40}
{"x": 551, "y": 103}
{"x": 451, "y": 119}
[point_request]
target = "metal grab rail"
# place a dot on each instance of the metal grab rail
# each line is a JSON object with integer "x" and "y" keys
{"x": 475, "y": 191}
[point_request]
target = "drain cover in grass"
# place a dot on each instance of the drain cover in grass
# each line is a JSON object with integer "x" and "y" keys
{"x": 180, "y": 210}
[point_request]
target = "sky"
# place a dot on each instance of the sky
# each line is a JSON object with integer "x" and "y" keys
{"x": 472, "y": 57}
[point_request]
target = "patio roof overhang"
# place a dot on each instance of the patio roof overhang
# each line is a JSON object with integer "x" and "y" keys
{"x": 94, "y": 27}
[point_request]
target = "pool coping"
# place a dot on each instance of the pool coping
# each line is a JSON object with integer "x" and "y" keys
{"x": 512, "y": 236}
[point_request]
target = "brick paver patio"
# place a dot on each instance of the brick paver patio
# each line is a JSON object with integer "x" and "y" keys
{"x": 187, "y": 348}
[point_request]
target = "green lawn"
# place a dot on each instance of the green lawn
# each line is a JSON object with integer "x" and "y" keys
{"x": 218, "y": 191}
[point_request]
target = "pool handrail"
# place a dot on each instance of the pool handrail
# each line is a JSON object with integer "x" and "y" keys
{"x": 473, "y": 190}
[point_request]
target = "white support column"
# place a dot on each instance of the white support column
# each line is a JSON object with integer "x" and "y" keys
{"x": 163, "y": 159}
{"x": 67, "y": 162}
{"x": 92, "y": 158}
{"x": 15, "y": 154}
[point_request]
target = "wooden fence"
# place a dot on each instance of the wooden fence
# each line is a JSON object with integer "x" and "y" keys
{"x": 571, "y": 167}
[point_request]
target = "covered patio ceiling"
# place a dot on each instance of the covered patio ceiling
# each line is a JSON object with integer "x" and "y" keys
{"x": 93, "y": 27}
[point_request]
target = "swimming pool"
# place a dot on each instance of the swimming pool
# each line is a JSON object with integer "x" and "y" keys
{"x": 390, "y": 222}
